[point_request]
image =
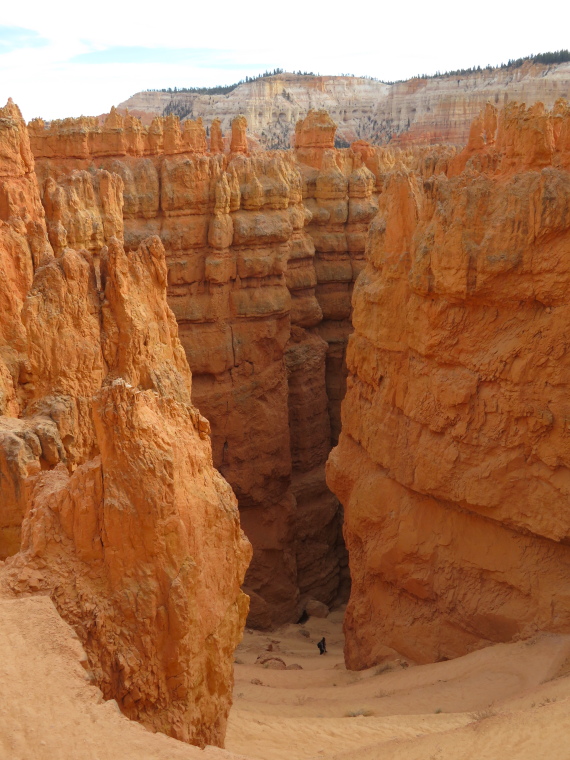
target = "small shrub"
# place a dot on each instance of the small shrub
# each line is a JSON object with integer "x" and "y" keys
{"x": 548, "y": 701}
{"x": 484, "y": 714}
{"x": 361, "y": 711}
{"x": 438, "y": 710}
{"x": 384, "y": 668}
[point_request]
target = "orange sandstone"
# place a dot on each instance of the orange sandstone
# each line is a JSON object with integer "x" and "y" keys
{"x": 23, "y": 247}
{"x": 453, "y": 462}
{"x": 216, "y": 137}
{"x": 239, "y": 138}
{"x": 241, "y": 276}
{"x": 453, "y": 426}
{"x": 110, "y": 501}
{"x": 262, "y": 253}
{"x": 314, "y": 134}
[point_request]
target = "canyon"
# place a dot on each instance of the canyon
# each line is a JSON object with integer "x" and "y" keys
{"x": 262, "y": 252}
{"x": 422, "y": 110}
{"x": 330, "y": 349}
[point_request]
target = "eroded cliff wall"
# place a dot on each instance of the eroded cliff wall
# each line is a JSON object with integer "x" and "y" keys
{"x": 273, "y": 105}
{"x": 422, "y": 110}
{"x": 262, "y": 253}
{"x": 110, "y": 501}
{"x": 243, "y": 287}
{"x": 440, "y": 109}
{"x": 453, "y": 461}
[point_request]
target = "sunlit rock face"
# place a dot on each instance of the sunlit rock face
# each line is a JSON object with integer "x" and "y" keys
{"x": 453, "y": 460}
{"x": 273, "y": 105}
{"x": 439, "y": 110}
{"x": 132, "y": 251}
{"x": 109, "y": 499}
{"x": 242, "y": 284}
{"x": 262, "y": 251}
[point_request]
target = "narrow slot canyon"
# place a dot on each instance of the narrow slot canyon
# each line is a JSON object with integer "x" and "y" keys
{"x": 262, "y": 253}
{"x": 240, "y": 385}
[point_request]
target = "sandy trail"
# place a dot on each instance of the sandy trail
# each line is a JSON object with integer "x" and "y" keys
{"x": 485, "y": 704}
{"x": 507, "y": 702}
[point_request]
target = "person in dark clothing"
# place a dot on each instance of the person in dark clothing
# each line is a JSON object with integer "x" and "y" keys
{"x": 322, "y": 645}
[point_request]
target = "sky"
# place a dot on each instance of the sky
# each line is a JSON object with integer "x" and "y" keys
{"x": 66, "y": 58}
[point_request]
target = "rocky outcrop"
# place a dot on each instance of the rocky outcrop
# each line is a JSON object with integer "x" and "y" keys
{"x": 262, "y": 251}
{"x": 453, "y": 461}
{"x": 423, "y": 110}
{"x": 23, "y": 247}
{"x": 242, "y": 284}
{"x": 342, "y": 196}
{"x": 262, "y": 254}
{"x": 110, "y": 502}
{"x": 341, "y": 189}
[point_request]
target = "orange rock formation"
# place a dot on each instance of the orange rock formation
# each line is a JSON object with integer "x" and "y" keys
{"x": 452, "y": 464}
{"x": 341, "y": 190}
{"x": 453, "y": 461}
{"x": 262, "y": 254}
{"x": 216, "y": 137}
{"x": 342, "y": 196}
{"x": 239, "y": 137}
{"x": 23, "y": 247}
{"x": 241, "y": 274}
{"x": 106, "y": 479}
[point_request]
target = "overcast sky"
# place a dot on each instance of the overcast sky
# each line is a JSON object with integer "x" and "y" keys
{"x": 64, "y": 58}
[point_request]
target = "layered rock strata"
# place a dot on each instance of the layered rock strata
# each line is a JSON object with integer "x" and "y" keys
{"x": 262, "y": 252}
{"x": 422, "y": 110}
{"x": 342, "y": 196}
{"x": 110, "y": 502}
{"x": 242, "y": 284}
{"x": 453, "y": 464}
{"x": 440, "y": 109}
{"x": 342, "y": 190}
{"x": 273, "y": 105}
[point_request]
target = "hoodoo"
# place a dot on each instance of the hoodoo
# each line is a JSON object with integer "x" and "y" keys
{"x": 110, "y": 501}
{"x": 407, "y": 305}
{"x": 453, "y": 461}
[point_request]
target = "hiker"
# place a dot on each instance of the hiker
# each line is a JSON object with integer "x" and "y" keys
{"x": 322, "y": 645}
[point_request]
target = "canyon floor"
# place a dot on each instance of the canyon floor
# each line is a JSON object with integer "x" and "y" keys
{"x": 507, "y": 701}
